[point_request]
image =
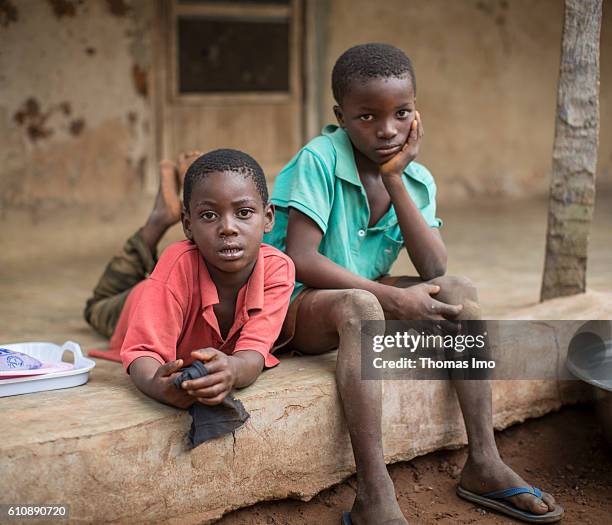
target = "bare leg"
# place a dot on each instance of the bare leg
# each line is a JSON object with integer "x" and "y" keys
{"x": 167, "y": 207}
{"x": 328, "y": 319}
{"x": 484, "y": 470}
{"x": 137, "y": 259}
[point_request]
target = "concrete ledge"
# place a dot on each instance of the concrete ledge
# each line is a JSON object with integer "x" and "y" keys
{"x": 115, "y": 456}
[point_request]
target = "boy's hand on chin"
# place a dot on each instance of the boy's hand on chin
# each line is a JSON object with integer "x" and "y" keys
{"x": 395, "y": 166}
{"x": 214, "y": 387}
{"x": 163, "y": 382}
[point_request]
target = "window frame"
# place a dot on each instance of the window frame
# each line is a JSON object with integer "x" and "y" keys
{"x": 241, "y": 11}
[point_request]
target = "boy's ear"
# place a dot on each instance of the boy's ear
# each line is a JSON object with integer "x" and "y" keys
{"x": 339, "y": 116}
{"x": 186, "y": 221}
{"x": 269, "y": 218}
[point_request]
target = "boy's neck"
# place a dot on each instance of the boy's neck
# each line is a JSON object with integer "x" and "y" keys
{"x": 230, "y": 283}
{"x": 377, "y": 196}
{"x": 365, "y": 167}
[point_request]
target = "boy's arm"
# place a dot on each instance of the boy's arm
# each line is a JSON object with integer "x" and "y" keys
{"x": 317, "y": 271}
{"x": 248, "y": 366}
{"x": 314, "y": 269}
{"x": 224, "y": 373}
{"x": 423, "y": 243}
{"x": 157, "y": 381}
{"x": 252, "y": 350}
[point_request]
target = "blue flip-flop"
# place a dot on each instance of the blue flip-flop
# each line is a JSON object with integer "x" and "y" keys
{"x": 495, "y": 500}
{"x": 346, "y": 518}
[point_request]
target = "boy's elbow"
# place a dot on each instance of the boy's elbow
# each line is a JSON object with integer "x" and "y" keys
{"x": 300, "y": 261}
{"x": 439, "y": 270}
{"x": 434, "y": 269}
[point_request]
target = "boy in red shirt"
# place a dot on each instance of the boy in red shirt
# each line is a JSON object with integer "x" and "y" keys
{"x": 219, "y": 297}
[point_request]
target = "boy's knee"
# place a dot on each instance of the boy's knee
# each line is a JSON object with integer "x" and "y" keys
{"x": 468, "y": 297}
{"x": 102, "y": 315}
{"x": 88, "y": 311}
{"x": 457, "y": 286}
{"x": 456, "y": 289}
{"x": 465, "y": 286}
{"x": 359, "y": 305}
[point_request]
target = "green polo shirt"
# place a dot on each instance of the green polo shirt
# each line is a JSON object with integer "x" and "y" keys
{"x": 322, "y": 182}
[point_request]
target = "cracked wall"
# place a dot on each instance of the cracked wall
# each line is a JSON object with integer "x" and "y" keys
{"x": 74, "y": 115}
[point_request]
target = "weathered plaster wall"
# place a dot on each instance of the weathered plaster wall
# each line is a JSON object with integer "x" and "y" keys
{"x": 487, "y": 74}
{"x": 74, "y": 110}
{"x": 75, "y": 85}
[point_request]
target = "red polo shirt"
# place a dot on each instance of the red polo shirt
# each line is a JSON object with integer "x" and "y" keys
{"x": 170, "y": 314}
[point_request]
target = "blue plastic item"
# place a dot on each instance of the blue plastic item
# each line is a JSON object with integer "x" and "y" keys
{"x": 12, "y": 361}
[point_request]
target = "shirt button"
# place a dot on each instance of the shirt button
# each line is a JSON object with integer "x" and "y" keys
{"x": 361, "y": 233}
{"x": 387, "y": 250}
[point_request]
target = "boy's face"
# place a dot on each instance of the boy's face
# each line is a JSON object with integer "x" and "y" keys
{"x": 377, "y": 115}
{"x": 227, "y": 220}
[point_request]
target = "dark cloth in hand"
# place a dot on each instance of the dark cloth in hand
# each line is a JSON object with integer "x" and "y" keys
{"x": 210, "y": 422}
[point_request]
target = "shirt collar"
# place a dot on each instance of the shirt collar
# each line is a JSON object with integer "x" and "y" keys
{"x": 254, "y": 296}
{"x": 208, "y": 290}
{"x": 346, "y": 168}
{"x": 254, "y": 287}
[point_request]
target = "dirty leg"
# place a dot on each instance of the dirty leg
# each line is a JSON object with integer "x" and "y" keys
{"x": 124, "y": 271}
{"x": 332, "y": 318}
{"x": 484, "y": 470}
{"x": 137, "y": 258}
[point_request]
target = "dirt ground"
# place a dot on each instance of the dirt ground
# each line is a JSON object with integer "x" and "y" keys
{"x": 564, "y": 453}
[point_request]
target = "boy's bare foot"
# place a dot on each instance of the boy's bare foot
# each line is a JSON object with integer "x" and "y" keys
{"x": 184, "y": 160}
{"x": 377, "y": 503}
{"x": 167, "y": 207}
{"x": 482, "y": 475}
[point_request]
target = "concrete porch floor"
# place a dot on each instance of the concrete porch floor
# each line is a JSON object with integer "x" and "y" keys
{"x": 49, "y": 266}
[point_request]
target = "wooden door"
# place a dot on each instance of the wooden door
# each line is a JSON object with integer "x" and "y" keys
{"x": 230, "y": 76}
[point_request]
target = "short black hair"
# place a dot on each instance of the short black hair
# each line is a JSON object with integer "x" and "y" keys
{"x": 221, "y": 160}
{"x": 366, "y": 61}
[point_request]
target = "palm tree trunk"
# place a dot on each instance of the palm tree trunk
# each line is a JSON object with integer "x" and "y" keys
{"x": 572, "y": 188}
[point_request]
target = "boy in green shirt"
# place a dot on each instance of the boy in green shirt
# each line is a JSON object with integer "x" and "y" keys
{"x": 345, "y": 206}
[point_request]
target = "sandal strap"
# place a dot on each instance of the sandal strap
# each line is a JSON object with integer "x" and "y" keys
{"x": 508, "y": 493}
